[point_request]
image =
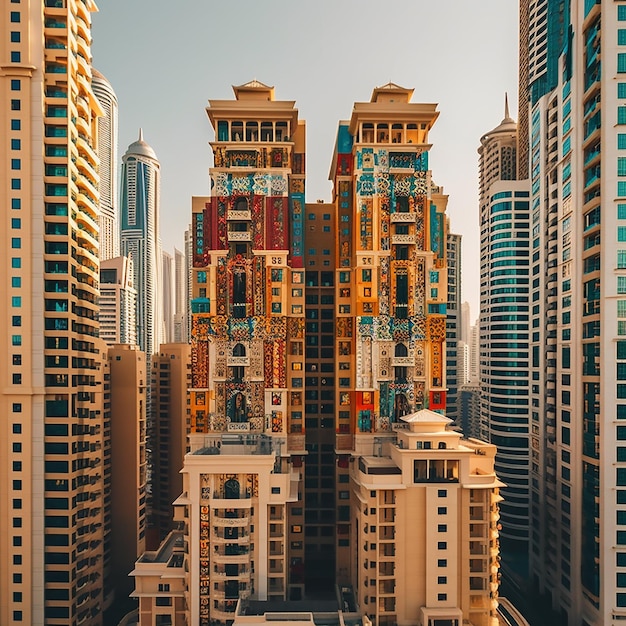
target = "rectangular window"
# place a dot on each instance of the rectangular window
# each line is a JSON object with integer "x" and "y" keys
{"x": 621, "y": 115}
{"x": 15, "y": 17}
{"x": 621, "y": 62}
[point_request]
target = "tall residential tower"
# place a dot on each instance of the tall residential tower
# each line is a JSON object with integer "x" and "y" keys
{"x": 51, "y": 456}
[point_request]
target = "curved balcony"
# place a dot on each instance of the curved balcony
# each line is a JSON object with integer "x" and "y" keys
{"x": 242, "y": 575}
{"x": 83, "y": 145}
{"x": 230, "y": 521}
{"x": 240, "y": 541}
{"x": 231, "y": 559}
{"x": 224, "y": 616}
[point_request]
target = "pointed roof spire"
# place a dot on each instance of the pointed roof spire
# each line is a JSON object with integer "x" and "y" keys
{"x": 507, "y": 117}
{"x": 140, "y": 147}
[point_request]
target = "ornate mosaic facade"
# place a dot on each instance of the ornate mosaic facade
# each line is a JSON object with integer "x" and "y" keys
{"x": 392, "y": 275}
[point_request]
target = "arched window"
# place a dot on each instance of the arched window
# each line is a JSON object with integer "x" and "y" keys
{"x": 442, "y": 445}
{"x": 239, "y": 350}
{"x": 401, "y": 406}
{"x": 241, "y": 204}
{"x": 238, "y": 406}
{"x": 231, "y": 489}
{"x": 401, "y": 350}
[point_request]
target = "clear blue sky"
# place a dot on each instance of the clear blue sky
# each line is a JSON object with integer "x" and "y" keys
{"x": 166, "y": 59}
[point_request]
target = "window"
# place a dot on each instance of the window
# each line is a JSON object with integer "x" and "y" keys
{"x": 442, "y": 493}
{"x": 442, "y": 528}
{"x": 442, "y": 580}
{"x": 442, "y": 545}
{"x": 442, "y": 562}
{"x": 442, "y": 510}
{"x": 15, "y": 17}
{"x": 442, "y": 596}
{"x": 15, "y": 36}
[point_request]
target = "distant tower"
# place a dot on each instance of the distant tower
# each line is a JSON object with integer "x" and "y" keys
{"x": 140, "y": 237}
{"x": 107, "y": 153}
{"x": 118, "y": 302}
{"x": 454, "y": 321}
{"x": 167, "y": 296}
{"x": 181, "y": 274}
{"x": 504, "y": 358}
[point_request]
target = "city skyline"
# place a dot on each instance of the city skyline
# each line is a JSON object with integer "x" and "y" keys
{"x": 185, "y": 73}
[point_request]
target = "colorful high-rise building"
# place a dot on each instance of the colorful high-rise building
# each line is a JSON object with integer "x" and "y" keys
{"x": 391, "y": 257}
{"x": 247, "y": 340}
{"x": 51, "y": 456}
{"x": 319, "y": 451}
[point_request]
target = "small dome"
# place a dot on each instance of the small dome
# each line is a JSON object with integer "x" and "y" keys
{"x": 141, "y": 148}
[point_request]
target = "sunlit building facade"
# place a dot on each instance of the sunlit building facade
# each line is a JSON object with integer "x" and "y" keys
{"x": 425, "y": 511}
{"x": 504, "y": 327}
{"x": 577, "y": 117}
{"x": 107, "y": 153}
{"x": 51, "y": 501}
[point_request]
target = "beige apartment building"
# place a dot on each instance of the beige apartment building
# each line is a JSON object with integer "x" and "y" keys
{"x": 127, "y": 519}
{"x": 425, "y": 511}
{"x": 51, "y": 457}
{"x": 171, "y": 378}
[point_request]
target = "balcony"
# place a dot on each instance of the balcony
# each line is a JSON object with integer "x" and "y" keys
{"x": 232, "y": 522}
{"x": 403, "y": 218}
{"x": 242, "y": 574}
{"x": 235, "y": 235}
{"x": 240, "y": 216}
{"x": 403, "y": 239}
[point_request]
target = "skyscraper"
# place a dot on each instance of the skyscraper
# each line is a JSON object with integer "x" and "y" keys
{"x": 181, "y": 297}
{"x": 454, "y": 321}
{"x": 391, "y": 289}
{"x": 51, "y": 526}
{"x": 140, "y": 238}
{"x": 504, "y": 332}
{"x": 167, "y": 296}
{"x": 577, "y": 166}
{"x": 107, "y": 154}
{"x": 333, "y": 354}
{"x": 247, "y": 390}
